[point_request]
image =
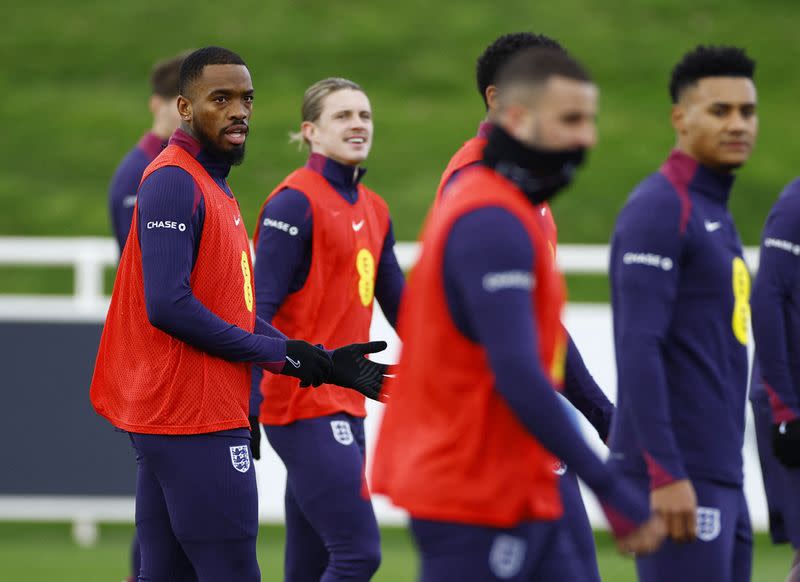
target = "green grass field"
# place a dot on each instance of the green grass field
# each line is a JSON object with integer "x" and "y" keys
{"x": 45, "y": 553}
{"x": 75, "y": 81}
{"x": 74, "y": 78}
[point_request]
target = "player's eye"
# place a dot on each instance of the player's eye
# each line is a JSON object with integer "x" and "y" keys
{"x": 720, "y": 110}
{"x": 220, "y": 99}
{"x": 748, "y": 111}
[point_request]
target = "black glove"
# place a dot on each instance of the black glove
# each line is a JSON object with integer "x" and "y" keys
{"x": 255, "y": 437}
{"x": 310, "y": 364}
{"x": 352, "y": 370}
{"x": 786, "y": 442}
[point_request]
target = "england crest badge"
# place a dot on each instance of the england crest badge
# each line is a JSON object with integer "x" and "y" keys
{"x": 507, "y": 556}
{"x": 240, "y": 458}
{"x": 709, "y": 523}
{"x": 342, "y": 432}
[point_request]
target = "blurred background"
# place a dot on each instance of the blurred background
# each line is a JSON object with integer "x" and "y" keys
{"x": 74, "y": 80}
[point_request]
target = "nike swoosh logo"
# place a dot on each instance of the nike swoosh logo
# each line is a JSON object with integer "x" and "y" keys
{"x": 237, "y": 220}
{"x": 295, "y": 363}
{"x": 357, "y": 225}
{"x": 712, "y": 226}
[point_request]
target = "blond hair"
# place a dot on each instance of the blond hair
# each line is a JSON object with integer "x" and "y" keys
{"x": 314, "y": 100}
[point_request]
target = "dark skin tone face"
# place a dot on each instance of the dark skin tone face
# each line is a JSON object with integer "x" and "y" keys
{"x": 217, "y": 110}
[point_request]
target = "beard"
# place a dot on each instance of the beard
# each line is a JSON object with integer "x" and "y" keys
{"x": 232, "y": 157}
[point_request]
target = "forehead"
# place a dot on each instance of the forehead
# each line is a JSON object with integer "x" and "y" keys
{"x": 346, "y": 100}
{"x": 739, "y": 90}
{"x": 563, "y": 93}
{"x": 228, "y": 77}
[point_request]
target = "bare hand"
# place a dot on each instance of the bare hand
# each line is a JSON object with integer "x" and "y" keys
{"x": 645, "y": 539}
{"x": 676, "y": 504}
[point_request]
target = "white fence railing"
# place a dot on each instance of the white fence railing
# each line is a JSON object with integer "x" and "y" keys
{"x": 589, "y": 325}
{"x": 90, "y": 256}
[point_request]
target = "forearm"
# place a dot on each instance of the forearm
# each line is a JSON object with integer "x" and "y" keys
{"x": 584, "y": 394}
{"x": 769, "y": 331}
{"x": 187, "y": 319}
{"x": 642, "y": 378}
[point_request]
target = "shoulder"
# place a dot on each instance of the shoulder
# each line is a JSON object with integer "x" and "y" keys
{"x": 168, "y": 182}
{"x": 373, "y": 197}
{"x": 655, "y": 202}
{"x": 789, "y": 199}
{"x": 489, "y": 230}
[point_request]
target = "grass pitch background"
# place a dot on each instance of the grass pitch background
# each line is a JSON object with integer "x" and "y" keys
{"x": 74, "y": 86}
{"x": 45, "y": 552}
{"x": 74, "y": 81}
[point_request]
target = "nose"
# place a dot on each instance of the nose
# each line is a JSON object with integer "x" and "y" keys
{"x": 738, "y": 123}
{"x": 586, "y": 136}
{"x": 239, "y": 110}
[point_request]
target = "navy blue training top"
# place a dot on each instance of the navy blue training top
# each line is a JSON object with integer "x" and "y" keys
{"x": 679, "y": 297}
{"x": 776, "y": 307}
{"x": 125, "y": 183}
{"x": 167, "y": 196}
{"x": 491, "y": 241}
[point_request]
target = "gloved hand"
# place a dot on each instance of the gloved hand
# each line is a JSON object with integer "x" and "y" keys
{"x": 351, "y": 369}
{"x": 255, "y": 437}
{"x": 310, "y": 364}
{"x": 786, "y": 442}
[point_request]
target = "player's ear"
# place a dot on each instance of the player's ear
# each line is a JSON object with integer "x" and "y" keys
{"x": 677, "y": 117}
{"x": 184, "y": 108}
{"x": 309, "y": 131}
{"x": 491, "y": 97}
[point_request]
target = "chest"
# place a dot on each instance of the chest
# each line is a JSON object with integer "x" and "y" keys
{"x": 711, "y": 263}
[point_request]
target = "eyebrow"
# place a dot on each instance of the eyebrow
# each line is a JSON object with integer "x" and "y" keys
{"x": 224, "y": 90}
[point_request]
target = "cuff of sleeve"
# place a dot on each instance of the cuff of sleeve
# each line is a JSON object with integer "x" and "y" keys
{"x": 660, "y": 475}
{"x": 781, "y": 411}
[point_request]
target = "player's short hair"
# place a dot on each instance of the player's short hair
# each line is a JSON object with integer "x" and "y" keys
{"x": 709, "y": 61}
{"x": 195, "y": 62}
{"x": 501, "y": 50}
{"x": 314, "y": 100}
{"x": 165, "y": 74}
{"x": 535, "y": 66}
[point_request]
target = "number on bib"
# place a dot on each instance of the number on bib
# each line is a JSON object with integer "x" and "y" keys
{"x": 248, "y": 284}
{"x": 365, "y": 265}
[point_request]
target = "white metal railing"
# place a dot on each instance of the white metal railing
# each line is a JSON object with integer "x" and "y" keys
{"x": 89, "y": 256}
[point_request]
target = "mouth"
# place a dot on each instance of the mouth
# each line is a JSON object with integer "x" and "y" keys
{"x": 736, "y": 145}
{"x": 236, "y": 134}
{"x": 356, "y": 140}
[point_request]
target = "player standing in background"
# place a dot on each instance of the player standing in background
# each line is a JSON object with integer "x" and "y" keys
{"x": 324, "y": 250}
{"x": 465, "y": 438}
{"x": 680, "y": 292}
{"x": 579, "y": 387}
{"x": 174, "y": 364}
{"x": 775, "y": 392}
{"x": 125, "y": 183}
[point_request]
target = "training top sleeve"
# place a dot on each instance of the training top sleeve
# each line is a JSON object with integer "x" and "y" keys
{"x": 492, "y": 241}
{"x": 773, "y": 292}
{"x": 283, "y": 257}
{"x": 644, "y": 271}
{"x": 583, "y": 392}
{"x": 169, "y": 195}
{"x": 283, "y": 250}
{"x": 390, "y": 281}
{"x": 122, "y": 194}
